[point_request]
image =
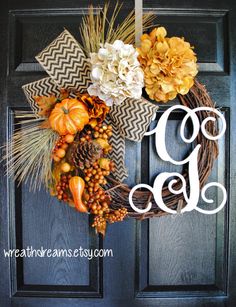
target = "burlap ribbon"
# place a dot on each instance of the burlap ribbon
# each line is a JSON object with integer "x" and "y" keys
{"x": 67, "y": 67}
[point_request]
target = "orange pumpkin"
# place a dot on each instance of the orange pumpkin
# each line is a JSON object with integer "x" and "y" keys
{"x": 69, "y": 116}
{"x": 76, "y": 185}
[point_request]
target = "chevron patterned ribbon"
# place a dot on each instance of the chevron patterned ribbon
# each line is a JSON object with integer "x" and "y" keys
{"x": 118, "y": 153}
{"x": 41, "y": 87}
{"x": 67, "y": 66}
{"x": 133, "y": 117}
{"x": 66, "y": 63}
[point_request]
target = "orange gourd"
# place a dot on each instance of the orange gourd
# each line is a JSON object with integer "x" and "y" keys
{"x": 76, "y": 185}
{"x": 69, "y": 116}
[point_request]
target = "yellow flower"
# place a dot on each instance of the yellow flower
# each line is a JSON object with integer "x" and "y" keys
{"x": 169, "y": 65}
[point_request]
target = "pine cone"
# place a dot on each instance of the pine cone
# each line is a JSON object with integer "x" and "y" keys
{"x": 86, "y": 153}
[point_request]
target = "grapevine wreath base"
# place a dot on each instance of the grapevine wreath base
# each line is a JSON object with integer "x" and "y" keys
{"x": 197, "y": 97}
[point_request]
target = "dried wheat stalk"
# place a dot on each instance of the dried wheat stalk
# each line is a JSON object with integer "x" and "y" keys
{"x": 28, "y": 152}
{"x": 97, "y": 28}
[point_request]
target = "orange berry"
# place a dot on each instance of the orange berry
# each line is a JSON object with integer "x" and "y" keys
{"x": 56, "y": 158}
{"x": 65, "y": 197}
{"x": 69, "y": 138}
{"x": 64, "y": 146}
{"x": 96, "y": 135}
{"x": 61, "y": 153}
{"x": 65, "y": 167}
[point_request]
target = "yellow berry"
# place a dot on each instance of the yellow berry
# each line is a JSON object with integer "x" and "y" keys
{"x": 56, "y": 159}
{"x": 61, "y": 153}
{"x": 69, "y": 138}
{"x": 65, "y": 167}
{"x": 64, "y": 146}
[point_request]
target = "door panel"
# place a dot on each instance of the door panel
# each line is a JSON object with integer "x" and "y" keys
{"x": 170, "y": 261}
{"x": 42, "y": 222}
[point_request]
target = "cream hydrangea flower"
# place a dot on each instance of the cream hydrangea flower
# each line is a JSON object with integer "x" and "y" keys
{"x": 116, "y": 73}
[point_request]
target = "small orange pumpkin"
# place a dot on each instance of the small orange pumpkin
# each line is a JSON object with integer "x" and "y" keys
{"x": 69, "y": 116}
{"x": 76, "y": 185}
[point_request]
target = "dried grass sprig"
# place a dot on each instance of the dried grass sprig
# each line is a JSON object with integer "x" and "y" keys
{"x": 28, "y": 153}
{"x": 97, "y": 28}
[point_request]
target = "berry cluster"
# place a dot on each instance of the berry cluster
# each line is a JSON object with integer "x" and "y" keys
{"x": 61, "y": 146}
{"x": 95, "y": 176}
{"x": 99, "y": 222}
{"x": 86, "y": 135}
{"x": 112, "y": 216}
{"x": 62, "y": 188}
{"x": 116, "y": 215}
{"x": 99, "y": 206}
{"x": 102, "y": 131}
{"x": 97, "y": 199}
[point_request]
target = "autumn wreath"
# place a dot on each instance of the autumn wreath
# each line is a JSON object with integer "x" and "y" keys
{"x": 72, "y": 140}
